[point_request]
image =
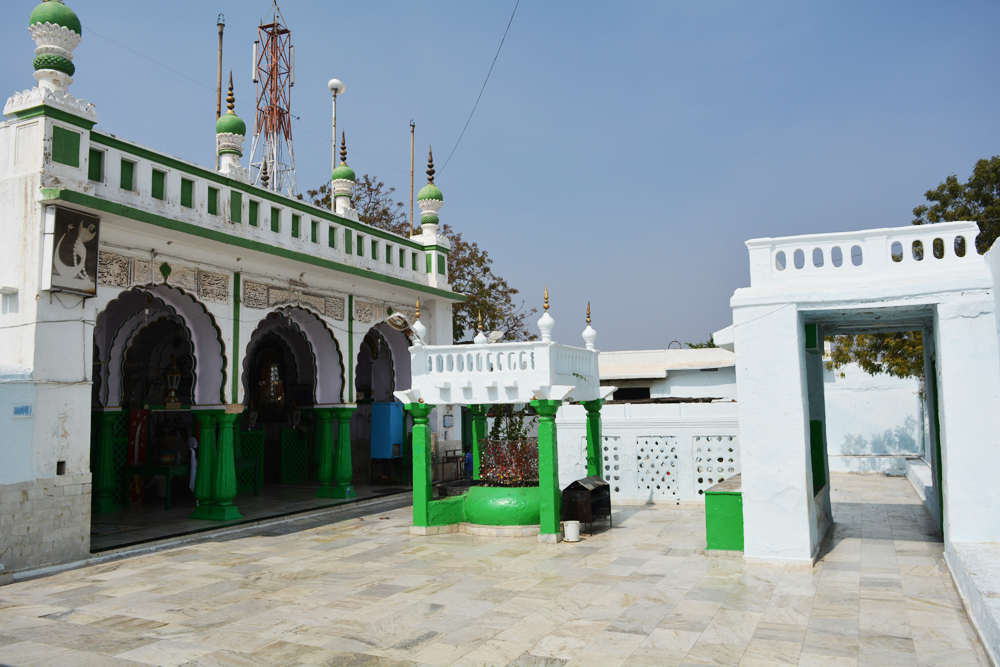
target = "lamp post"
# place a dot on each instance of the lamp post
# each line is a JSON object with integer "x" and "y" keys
{"x": 336, "y": 87}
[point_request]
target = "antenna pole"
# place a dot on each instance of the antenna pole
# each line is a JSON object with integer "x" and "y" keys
{"x": 218, "y": 87}
{"x": 412, "y": 127}
{"x": 333, "y": 154}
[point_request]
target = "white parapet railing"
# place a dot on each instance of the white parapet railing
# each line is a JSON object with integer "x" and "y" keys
{"x": 916, "y": 249}
{"x": 503, "y": 373}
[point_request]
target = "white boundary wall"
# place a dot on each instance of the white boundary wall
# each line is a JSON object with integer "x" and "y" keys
{"x": 650, "y": 441}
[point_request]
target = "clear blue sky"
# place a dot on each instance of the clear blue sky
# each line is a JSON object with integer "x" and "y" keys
{"x": 622, "y": 153}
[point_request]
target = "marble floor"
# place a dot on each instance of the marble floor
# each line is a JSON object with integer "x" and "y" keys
{"x": 150, "y": 522}
{"x": 362, "y": 591}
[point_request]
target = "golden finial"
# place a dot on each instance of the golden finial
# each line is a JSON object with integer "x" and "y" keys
{"x": 343, "y": 149}
{"x": 430, "y": 165}
{"x": 230, "y": 100}
{"x": 418, "y": 307}
{"x": 480, "y": 320}
{"x": 546, "y": 298}
{"x": 588, "y": 313}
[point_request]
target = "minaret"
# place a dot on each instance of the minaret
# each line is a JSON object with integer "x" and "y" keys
{"x": 430, "y": 200}
{"x": 342, "y": 179}
{"x": 57, "y": 32}
{"x": 230, "y": 132}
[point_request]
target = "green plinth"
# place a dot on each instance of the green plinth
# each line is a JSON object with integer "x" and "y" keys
{"x": 724, "y": 516}
{"x": 502, "y": 506}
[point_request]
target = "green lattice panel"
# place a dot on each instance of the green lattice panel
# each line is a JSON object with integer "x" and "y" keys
{"x": 119, "y": 455}
{"x": 294, "y": 455}
{"x": 251, "y": 447}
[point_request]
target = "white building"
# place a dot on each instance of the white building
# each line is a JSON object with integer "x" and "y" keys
{"x": 147, "y": 295}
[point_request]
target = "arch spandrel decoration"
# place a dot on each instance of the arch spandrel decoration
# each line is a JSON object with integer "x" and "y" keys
{"x": 325, "y": 358}
{"x": 126, "y": 314}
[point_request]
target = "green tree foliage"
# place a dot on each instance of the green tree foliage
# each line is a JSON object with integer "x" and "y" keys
{"x": 978, "y": 199}
{"x": 708, "y": 343}
{"x": 470, "y": 268}
{"x": 898, "y": 354}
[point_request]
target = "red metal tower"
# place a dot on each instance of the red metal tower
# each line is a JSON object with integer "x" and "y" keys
{"x": 274, "y": 74}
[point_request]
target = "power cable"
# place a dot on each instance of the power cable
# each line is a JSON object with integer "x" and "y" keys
{"x": 481, "y": 89}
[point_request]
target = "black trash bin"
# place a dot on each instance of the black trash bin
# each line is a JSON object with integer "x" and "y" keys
{"x": 587, "y": 499}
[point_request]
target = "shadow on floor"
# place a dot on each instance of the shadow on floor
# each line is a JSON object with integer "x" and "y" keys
{"x": 141, "y": 524}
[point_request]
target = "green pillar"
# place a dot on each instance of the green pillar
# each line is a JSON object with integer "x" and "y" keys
{"x": 225, "y": 472}
{"x": 325, "y": 447}
{"x": 343, "y": 467}
{"x": 478, "y": 433}
{"x": 102, "y": 464}
{"x": 204, "y": 480}
{"x": 594, "y": 439}
{"x": 421, "y": 461}
{"x": 549, "y": 496}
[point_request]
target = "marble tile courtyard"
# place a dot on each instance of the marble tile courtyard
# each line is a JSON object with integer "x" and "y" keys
{"x": 362, "y": 591}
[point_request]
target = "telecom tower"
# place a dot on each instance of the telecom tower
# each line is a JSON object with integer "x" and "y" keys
{"x": 274, "y": 74}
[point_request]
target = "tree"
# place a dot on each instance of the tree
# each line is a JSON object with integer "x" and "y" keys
{"x": 978, "y": 199}
{"x": 373, "y": 201}
{"x": 489, "y": 296}
{"x": 469, "y": 267}
{"x": 708, "y": 343}
{"x": 901, "y": 354}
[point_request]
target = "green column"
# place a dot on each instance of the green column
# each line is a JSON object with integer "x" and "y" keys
{"x": 594, "y": 439}
{"x": 204, "y": 479}
{"x": 102, "y": 464}
{"x": 225, "y": 472}
{"x": 421, "y": 461}
{"x": 478, "y": 433}
{"x": 343, "y": 467}
{"x": 325, "y": 447}
{"x": 549, "y": 497}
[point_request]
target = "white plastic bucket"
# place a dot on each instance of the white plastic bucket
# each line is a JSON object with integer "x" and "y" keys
{"x": 572, "y": 530}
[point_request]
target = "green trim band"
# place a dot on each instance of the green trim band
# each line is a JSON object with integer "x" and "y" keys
{"x": 228, "y": 151}
{"x": 114, "y": 208}
{"x": 57, "y": 63}
{"x": 55, "y": 114}
{"x": 208, "y": 174}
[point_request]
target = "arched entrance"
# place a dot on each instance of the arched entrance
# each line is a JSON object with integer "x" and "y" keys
{"x": 157, "y": 353}
{"x": 378, "y": 428}
{"x": 292, "y": 365}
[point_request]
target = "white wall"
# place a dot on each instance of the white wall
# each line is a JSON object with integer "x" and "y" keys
{"x": 697, "y": 383}
{"x": 663, "y": 438}
{"x": 873, "y": 422}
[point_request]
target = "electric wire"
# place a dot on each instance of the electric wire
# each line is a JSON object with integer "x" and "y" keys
{"x": 481, "y": 89}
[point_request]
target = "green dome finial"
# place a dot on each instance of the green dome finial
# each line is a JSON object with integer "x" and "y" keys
{"x": 430, "y": 191}
{"x": 230, "y": 123}
{"x": 56, "y": 13}
{"x": 343, "y": 172}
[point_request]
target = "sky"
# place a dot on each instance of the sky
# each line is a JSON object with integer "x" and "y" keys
{"x": 622, "y": 153}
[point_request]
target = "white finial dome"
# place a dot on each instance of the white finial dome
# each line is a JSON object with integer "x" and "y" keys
{"x": 589, "y": 335}
{"x": 545, "y": 323}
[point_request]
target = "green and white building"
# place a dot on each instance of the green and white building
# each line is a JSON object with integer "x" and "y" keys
{"x": 134, "y": 280}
